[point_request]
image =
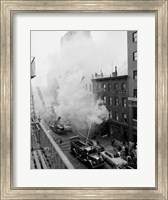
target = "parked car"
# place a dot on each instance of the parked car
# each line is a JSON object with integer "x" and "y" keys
{"x": 117, "y": 163}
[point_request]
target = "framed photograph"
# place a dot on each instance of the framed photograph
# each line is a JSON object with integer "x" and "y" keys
{"x": 84, "y": 100}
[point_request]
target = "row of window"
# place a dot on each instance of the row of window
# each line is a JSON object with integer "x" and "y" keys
{"x": 108, "y": 87}
{"x": 116, "y": 101}
{"x": 134, "y": 36}
{"x": 124, "y": 115}
{"x": 116, "y": 116}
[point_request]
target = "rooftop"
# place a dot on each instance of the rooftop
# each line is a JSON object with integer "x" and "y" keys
{"x": 109, "y": 78}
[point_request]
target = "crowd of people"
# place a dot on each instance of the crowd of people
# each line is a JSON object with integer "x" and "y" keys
{"x": 126, "y": 151}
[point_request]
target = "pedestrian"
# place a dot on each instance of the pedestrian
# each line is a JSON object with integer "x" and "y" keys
{"x": 123, "y": 148}
{"x": 129, "y": 160}
{"x": 126, "y": 150}
{"x": 119, "y": 153}
{"x": 119, "y": 148}
{"x": 112, "y": 142}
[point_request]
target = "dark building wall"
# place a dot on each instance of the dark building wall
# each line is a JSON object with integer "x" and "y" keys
{"x": 132, "y": 64}
{"x": 33, "y": 67}
{"x": 108, "y": 89}
{"x": 132, "y": 82}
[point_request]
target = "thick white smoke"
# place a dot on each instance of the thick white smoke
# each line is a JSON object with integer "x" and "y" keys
{"x": 79, "y": 58}
{"x": 99, "y": 113}
{"x": 75, "y": 100}
{"x": 77, "y": 105}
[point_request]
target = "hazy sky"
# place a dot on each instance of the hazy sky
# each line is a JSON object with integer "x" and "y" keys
{"x": 107, "y": 49}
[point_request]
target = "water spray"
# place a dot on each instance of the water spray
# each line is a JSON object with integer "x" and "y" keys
{"x": 89, "y": 130}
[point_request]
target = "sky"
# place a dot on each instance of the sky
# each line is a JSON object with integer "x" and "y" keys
{"x": 107, "y": 49}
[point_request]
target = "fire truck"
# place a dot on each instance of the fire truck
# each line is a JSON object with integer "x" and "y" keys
{"x": 86, "y": 153}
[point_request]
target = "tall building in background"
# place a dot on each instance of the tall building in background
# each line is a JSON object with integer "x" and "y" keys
{"x": 73, "y": 42}
{"x": 72, "y": 36}
{"x": 52, "y": 87}
{"x": 132, "y": 82}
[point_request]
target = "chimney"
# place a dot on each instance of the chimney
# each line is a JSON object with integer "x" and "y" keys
{"x": 101, "y": 73}
{"x": 115, "y": 73}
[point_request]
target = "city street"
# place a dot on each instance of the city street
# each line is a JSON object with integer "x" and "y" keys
{"x": 65, "y": 146}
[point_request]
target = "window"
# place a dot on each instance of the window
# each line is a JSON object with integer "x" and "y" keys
{"x": 134, "y": 36}
{"x": 115, "y": 86}
{"x": 104, "y": 87}
{"x": 104, "y": 99}
{"x": 124, "y": 102}
{"x": 109, "y": 87}
{"x": 125, "y": 117}
{"x": 116, "y": 116}
{"x": 134, "y": 113}
{"x": 110, "y": 100}
{"x": 110, "y": 114}
{"x": 116, "y": 101}
{"x": 124, "y": 87}
{"x": 135, "y": 93}
{"x": 135, "y": 74}
{"x": 134, "y": 55}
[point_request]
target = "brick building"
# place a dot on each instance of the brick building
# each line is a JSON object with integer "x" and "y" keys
{"x": 113, "y": 90}
{"x": 119, "y": 94}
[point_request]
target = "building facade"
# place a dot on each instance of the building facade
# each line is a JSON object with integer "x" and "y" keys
{"x": 132, "y": 84}
{"x": 32, "y": 67}
{"x": 33, "y": 75}
{"x": 119, "y": 94}
{"x": 113, "y": 91}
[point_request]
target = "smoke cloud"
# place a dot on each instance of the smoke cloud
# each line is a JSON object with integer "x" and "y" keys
{"x": 79, "y": 57}
{"x": 75, "y": 100}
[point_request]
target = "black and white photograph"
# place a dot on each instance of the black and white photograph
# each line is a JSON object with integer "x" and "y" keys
{"x": 83, "y": 99}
